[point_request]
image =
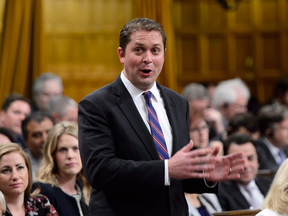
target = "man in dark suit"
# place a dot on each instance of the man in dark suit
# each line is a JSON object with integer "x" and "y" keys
{"x": 249, "y": 190}
{"x": 121, "y": 159}
{"x": 273, "y": 142}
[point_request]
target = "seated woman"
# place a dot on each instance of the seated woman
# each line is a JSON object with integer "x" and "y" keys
{"x": 15, "y": 184}
{"x": 60, "y": 175}
{"x": 276, "y": 201}
{"x": 201, "y": 204}
{"x": 199, "y": 132}
{"x": 2, "y": 203}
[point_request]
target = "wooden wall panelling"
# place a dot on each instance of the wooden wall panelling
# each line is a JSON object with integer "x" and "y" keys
{"x": 2, "y": 7}
{"x": 250, "y": 43}
{"x": 82, "y": 41}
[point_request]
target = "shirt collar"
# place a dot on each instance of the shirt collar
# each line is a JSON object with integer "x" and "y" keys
{"x": 251, "y": 184}
{"x": 135, "y": 92}
{"x": 274, "y": 149}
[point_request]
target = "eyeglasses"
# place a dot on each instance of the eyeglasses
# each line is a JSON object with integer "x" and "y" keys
{"x": 199, "y": 129}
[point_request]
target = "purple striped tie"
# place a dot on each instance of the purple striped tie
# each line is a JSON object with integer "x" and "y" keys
{"x": 156, "y": 130}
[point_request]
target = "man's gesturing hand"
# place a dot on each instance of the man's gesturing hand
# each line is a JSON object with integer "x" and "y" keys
{"x": 190, "y": 164}
{"x": 226, "y": 167}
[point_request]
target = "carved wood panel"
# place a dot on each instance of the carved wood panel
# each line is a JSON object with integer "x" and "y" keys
{"x": 249, "y": 42}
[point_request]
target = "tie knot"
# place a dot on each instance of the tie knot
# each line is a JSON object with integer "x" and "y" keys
{"x": 249, "y": 188}
{"x": 147, "y": 95}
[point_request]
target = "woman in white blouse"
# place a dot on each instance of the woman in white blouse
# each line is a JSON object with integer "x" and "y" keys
{"x": 276, "y": 201}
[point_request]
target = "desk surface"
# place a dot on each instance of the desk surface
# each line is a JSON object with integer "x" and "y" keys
{"x": 246, "y": 212}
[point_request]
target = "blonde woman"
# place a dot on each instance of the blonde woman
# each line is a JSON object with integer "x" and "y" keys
{"x": 2, "y": 203}
{"x": 276, "y": 201}
{"x": 60, "y": 176}
{"x": 15, "y": 184}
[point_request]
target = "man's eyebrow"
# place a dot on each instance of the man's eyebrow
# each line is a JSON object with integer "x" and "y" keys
{"x": 141, "y": 44}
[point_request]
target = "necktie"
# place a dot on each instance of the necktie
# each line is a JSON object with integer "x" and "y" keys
{"x": 281, "y": 156}
{"x": 254, "y": 200}
{"x": 156, "y": 130}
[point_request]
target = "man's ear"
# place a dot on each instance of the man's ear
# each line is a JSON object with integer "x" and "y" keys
{"x": 269, "y": 133}
{"x": 55, "y": 116}
{"x": 2, "y": 115}
{"x": 121, "y": 55}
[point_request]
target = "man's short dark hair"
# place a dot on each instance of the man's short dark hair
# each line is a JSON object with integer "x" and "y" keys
{"x": 238, "y": 139}
{"x": 10, "y": 134}
{"x": 246, "y": 120}
{"x": 281, "y": 87}
{"x": 36, "y": 117}
{"x": 139, "y": 24}
{"x": 12, "y": 98}
{"x": 270, "y": 115}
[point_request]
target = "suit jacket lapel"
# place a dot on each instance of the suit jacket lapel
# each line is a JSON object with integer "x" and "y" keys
{"x": 238, "y": 196}
{"x": 263, "y": 187}
{"x": 130, "y": 111}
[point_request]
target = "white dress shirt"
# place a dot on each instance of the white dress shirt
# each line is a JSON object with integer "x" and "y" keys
{"x": 256, "y": 191}
{"x": 158, "y": 104}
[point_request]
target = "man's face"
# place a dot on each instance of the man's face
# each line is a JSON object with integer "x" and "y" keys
{"x": 143, "y": 58}
{"x": 71, "y": 114}
{"x": 12, "y": 118}
{"x": 36, "y": 136}
{"x": 198, "y": 104}
{"x": 280, "y": 136}
{"x": 49, "y": 89}
{"x": 240, "y": 106}
{"x": 250, "y": 161}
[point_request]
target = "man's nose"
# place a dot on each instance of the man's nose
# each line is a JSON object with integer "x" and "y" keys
{"x": 148, "y": 57}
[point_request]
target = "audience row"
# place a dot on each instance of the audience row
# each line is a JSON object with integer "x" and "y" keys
{"x": 43, "y": 129}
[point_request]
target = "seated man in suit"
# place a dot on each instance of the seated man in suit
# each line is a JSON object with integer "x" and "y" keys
{"x": 248, "y": 191}
{"x": 44, "y": 88}
{"x": 62, "y": 108}
{"x": 231, "y": 97}
{"x": 15, "y": 108}
{"x": 272, "y": 144}
{"x": 35, "y": 130}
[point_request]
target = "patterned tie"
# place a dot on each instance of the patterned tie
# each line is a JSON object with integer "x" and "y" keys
{"x": 156, "y": 130}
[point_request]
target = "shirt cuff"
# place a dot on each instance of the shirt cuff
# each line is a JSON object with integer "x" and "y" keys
{"x": 167, "y": 179}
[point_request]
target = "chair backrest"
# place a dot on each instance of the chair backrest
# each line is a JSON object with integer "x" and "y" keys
{"x": 246, "y": 212}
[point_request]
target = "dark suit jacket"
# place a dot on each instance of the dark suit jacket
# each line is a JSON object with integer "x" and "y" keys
{"x": 120, "y": 159}
{"x": 231, "y": 198}
{"x": 266, "y": 159}
{"x": 63, "y": 203}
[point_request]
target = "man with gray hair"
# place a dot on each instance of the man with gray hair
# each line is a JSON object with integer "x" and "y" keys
{"x": 198, "y": 98}
{"x": 62, "y": 108}
{"x": 231, "y": 97}
{"x": 44, "y": 87}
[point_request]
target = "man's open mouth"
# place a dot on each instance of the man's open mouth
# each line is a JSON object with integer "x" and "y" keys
{"x": 146, "y": 71}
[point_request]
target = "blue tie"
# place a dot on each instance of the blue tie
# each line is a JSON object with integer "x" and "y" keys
{"x": 156, "y": 130}
{"x": 281, "y": 156}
